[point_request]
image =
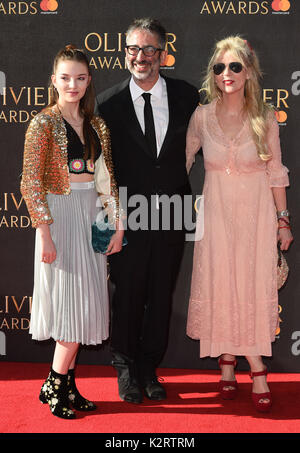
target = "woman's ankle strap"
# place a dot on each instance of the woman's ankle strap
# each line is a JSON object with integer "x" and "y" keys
{"x": 227, "y": 362}
{"x": 258, "y": 373}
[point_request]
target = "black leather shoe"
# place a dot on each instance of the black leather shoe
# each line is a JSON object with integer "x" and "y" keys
{"x": 130, "y": 391}
{"x": 129, "y": 388}
{"x": 154, "y": 390}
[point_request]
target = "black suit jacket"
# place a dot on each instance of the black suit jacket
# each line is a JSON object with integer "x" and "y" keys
{"x": 135, "y": 167}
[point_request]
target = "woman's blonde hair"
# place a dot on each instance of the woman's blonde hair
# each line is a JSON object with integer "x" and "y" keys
{"x": 256, "y": 108}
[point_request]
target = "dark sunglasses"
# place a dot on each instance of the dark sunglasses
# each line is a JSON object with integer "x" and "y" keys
{"x": 235, "y": 66}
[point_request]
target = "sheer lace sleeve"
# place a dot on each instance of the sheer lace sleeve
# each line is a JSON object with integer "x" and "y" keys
{"x": 193, "y": 138}
{"x": 278, "y": 173}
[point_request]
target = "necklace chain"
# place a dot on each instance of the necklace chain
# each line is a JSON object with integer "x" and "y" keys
{"x": 64, "y": 116}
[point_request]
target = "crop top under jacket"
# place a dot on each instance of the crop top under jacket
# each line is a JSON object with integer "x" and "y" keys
{"x": 45, "y": 163}
{"x": 76, "y": 162}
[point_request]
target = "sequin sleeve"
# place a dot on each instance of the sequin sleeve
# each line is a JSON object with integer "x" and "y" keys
{"x": 278, "y": 173}
{"x": 32, "y": 187}
{"x": 193, "y": 138}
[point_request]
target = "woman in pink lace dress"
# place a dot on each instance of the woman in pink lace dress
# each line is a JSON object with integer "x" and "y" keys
{"x": 233, "y": 306}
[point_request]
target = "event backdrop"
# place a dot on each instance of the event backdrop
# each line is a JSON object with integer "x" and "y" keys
{"x": 31, "y": 34}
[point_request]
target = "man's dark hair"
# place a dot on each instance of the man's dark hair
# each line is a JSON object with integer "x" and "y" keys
{"x": 150, "y": 25}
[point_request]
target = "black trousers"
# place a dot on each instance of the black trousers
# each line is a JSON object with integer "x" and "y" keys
{"x": 144, "y": 274}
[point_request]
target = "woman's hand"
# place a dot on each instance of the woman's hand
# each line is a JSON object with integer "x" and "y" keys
{"x": 48, "y": 254}
{"x": 285, "y": 236}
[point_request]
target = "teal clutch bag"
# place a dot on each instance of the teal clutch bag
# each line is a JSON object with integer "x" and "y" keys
{"x": 102, "y": 232}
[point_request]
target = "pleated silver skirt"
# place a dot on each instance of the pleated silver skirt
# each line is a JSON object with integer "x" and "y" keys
{"x": 70, "y": 296}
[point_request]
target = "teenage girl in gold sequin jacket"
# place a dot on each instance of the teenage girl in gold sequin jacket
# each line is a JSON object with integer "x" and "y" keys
{"x": 70, "y": 297}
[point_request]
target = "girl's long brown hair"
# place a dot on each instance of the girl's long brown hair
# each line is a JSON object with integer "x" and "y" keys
{"x": 87, "y": 102}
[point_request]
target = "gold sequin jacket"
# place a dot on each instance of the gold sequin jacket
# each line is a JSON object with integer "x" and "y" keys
{"x": 45, "y": 165}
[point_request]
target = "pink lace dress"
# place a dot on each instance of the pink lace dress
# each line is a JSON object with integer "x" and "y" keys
{"x": 233, "y": 304}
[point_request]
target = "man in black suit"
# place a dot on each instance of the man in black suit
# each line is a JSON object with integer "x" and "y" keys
{"x": 148, "y": 150}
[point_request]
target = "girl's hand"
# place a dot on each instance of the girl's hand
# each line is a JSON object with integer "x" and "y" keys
{"x": 48, "y": 254}
{"x": 115, "y": 244}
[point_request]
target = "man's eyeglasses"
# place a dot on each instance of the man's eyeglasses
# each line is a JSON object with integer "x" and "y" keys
{"x": 148, "y": 51}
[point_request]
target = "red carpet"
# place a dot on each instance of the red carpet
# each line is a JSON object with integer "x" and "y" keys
{"x": 193, "y": 406}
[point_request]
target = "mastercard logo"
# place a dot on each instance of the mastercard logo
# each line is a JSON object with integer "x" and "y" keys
{"x": 281, "y": 5}
{"x": 281, "y": 116}
{"x": 49, "y": 5}
{"x": 169, "y": 61}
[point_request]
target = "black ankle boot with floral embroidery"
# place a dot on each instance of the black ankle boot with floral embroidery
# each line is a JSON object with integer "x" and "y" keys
{"x": 77, "y": 401}
{"x": 55, "y": 392}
